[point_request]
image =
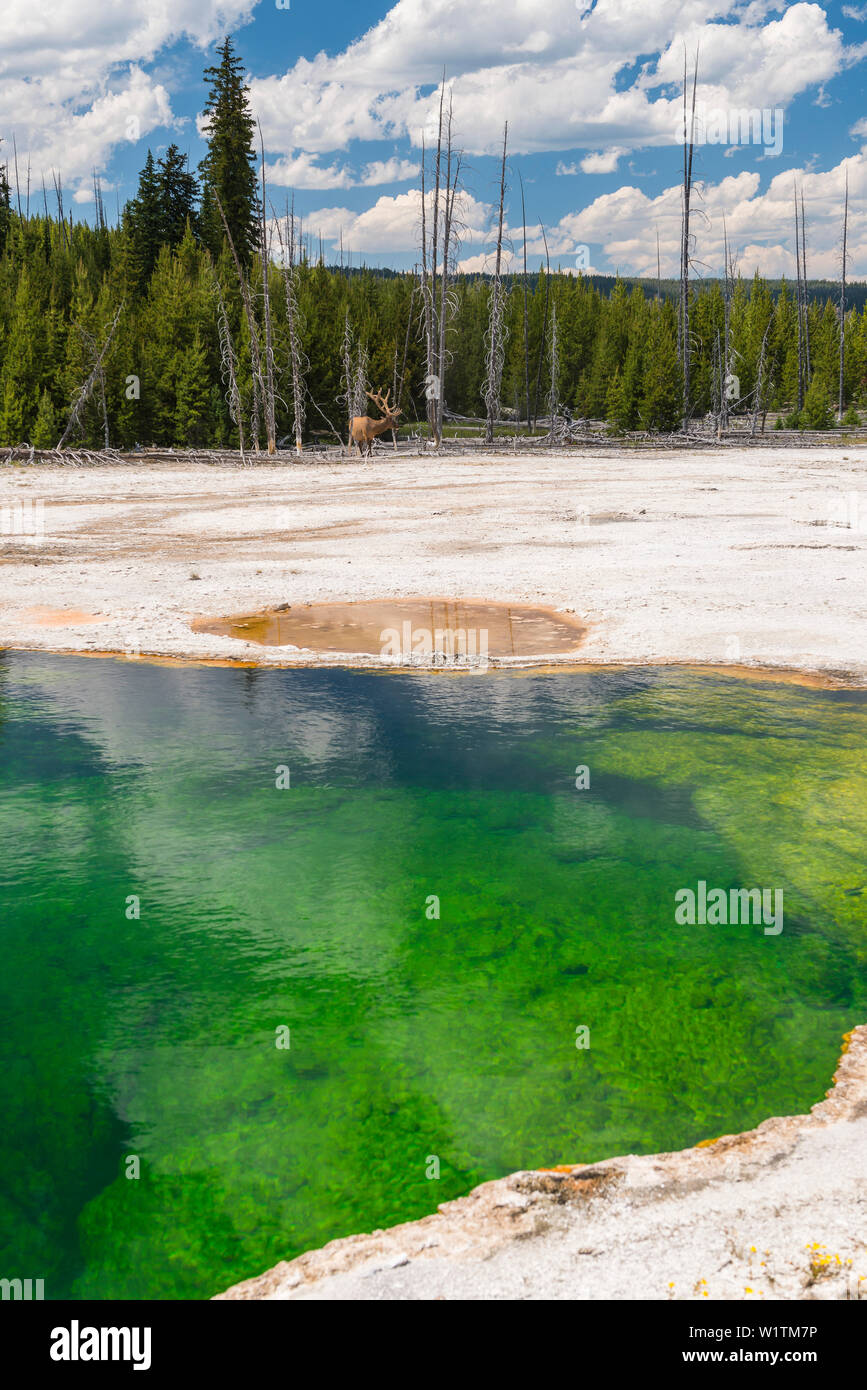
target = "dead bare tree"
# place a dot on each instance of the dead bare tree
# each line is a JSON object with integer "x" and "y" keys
{"x": 683, "y": 342}
{"x": 105, "y": 432}
{"x": 808, "y": 370}
{"x": 760, "y": 382}
{"x": 544, "y": 338}
{"x": 246, "y": 300}
{"x": 265, "y": 258}
{"x": 799, "y": 302}
{"x": 298, "y": 363}
{"x": 346, "y": 357}
{"x": 99, "y": 205}
{"x": 438, "y": 211}
{"x": 724, "y": 356}
{"x": 433, "y": 400}
{"x": 496, "y": 335}
{"x": 843, "y": 296}
{"x": 359, "y": 380}
{"x": 58, "y": 193}
{"x": 394, "y": 390}
{"x": 425, "y": 294}
{"x": 92, "y": 351}
{"x": 715, "y": 376}
{"x": 399, "y": 381}
{"x": 17, "y": 185}
{"x": 554, "y": 368}
{"x": 446, "y": 307}
{"x": 96, "y": 374}
{"x": 658, "y": 273}
{"x": 228, "y": 363}
{"x": 526, "y": 320}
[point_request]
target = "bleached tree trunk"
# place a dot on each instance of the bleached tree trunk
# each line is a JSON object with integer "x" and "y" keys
{"x": 433, "y": 404}
{"x": 359, "y": 380}
{"x": 264, "y": 252}
{"x": 255, "y": 356}
{"x": 544, "y": 327}
{"x": 297, "y": 360}
{"x": 398, "y": 391}
{"x": 725, "y": 356}
{"x": 526, "y": 319}
{"x": 346, "y": 354}
{"x": 58, "y": 193}
{"x": 554, "y": 364}
{"x": 683, "y": 342}
{"x": 799, "y": 307}
{"x": 757, "y": 401}
{"x": 17, "y": 184}
{"x": 91, "y": 381}
{"x": 658, "y": 272}
{"x": 394, "y": 393}
{"x": 104, "y": 407}
{"x": 425, "y": 291}
{"x": 843, "y": 298}
{"x": 448, "y": 232}
{"x": 228, "y": 363}
{"x": 496, "y": 327}
{"x": 808, "y": 370}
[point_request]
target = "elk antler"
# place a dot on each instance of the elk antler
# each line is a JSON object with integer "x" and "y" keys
{"x": 377, "y": 398}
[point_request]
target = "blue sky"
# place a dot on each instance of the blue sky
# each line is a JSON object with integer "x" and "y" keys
{"x": 589, "y": 88}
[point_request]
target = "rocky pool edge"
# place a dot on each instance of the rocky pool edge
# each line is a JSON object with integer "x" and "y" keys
{"x": 776, "y": 1212}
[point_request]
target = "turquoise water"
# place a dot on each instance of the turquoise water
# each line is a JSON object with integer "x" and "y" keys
{"x": 412, "y": 1037}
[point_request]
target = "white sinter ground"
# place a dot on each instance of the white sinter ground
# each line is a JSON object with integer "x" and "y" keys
{"x": 732, "y": 556}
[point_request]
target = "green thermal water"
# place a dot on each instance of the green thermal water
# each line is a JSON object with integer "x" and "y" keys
{"x": 305, "y": 908}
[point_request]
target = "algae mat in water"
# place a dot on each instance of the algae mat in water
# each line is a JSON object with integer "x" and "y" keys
{"x": 168, "y": 912}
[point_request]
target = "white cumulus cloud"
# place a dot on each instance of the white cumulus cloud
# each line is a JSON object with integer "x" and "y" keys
{"x": 71, "y": 75}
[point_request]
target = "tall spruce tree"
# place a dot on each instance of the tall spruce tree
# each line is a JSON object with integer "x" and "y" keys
{"x": 229, "y": 168}
{"x": 659, "y": 408}
{"x": 178, "y": 193}
{"x": 45, "y": 428}
{"x": 625, "y": 392}
{"x": 143, "y": 219}
{"x": 192, "y": 392}
{"x": 22, "y": 363}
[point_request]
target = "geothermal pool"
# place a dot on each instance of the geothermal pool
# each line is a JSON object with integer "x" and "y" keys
{"x": 293, "y": 954}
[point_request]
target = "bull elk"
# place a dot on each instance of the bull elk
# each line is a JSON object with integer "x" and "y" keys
{"x": 363, "y": 429}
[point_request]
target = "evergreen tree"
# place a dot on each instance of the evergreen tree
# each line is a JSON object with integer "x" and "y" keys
{"x": 661, "y": 399}
{"x": 11, "y": 416}
{"x": 817, "y": 413}
{"x": 144, "y": 221}
{"x": 625, "y": 394}
{"x": 46, "y": 430}
{"x": 610, "y": 351}
{"x": 229, "y": 168}
{"x": 178, "y": 192}
{"x": 192, "y": 393}
{"x": 22, "y": 363}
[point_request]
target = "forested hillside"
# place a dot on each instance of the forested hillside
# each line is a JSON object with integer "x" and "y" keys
{"x": 164, "y": 270}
